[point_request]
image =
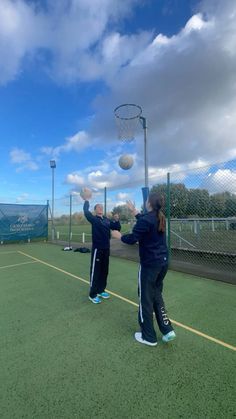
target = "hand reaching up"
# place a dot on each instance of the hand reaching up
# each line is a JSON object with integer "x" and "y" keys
{"x": 86, "y": 194}
{"x": 131, "y": 207}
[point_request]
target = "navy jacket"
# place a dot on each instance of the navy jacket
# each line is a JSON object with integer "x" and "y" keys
{"x": 101, "y": 227}
{"x": 115, "y": 225}
{"x": 152, "y": 243}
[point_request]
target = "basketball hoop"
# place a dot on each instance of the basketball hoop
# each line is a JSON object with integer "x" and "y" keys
{"x": 127, "y": 119}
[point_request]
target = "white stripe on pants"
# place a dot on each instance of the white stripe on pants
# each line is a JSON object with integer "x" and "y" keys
{"x": 140, "y": 295}
{"x": 93, "y": 266}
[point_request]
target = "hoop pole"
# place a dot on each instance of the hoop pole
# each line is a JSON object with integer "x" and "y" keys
{"x": 168, "y": 216}
{"x": 145, "y": 190}
{"x": 105, "y": 201}
{"x": 144, "y": 124}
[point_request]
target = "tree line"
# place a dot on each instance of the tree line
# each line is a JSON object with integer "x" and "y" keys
{"x": 184, "y": 203}
{"x": 187, "y": 203}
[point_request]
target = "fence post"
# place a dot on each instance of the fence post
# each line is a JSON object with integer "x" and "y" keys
{"x": 70, "y": 221}
{"x": 168, "y": 216}
{"x": 105, "y": 201}
{"x": 227, "y": 224}
{"x": 213, "y": 225}
{"x": 47, "y": 212}
{"x": 53, "y": 230}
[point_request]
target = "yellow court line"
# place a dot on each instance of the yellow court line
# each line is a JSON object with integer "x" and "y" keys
{"x": 190, "y": 329}
{"x": 17, "y": 264}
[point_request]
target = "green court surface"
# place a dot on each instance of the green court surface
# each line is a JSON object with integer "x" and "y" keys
{"x": 64, "y": 357}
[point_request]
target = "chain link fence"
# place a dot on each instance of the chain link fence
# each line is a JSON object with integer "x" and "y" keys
{"x": 202, "y": 229}
{"x": 200, "y": 209}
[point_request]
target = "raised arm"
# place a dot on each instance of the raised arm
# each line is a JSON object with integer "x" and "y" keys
{"x": 140, "y": 228}
{"x": 86, "y": 194}
{"x": 132, "y": 208}
{"x": 90, "y": 217}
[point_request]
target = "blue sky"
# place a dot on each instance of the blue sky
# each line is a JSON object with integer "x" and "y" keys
{"x": 64, "y": 67}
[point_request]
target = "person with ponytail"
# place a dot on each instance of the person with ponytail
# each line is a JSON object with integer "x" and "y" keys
{"x": 149, "y": 232}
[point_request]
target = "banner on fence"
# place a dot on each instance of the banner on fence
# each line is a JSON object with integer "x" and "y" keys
{"x": 23, "y": 222}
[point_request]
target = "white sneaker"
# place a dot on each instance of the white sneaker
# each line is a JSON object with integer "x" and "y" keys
{"x": 169, "y": 336}
{"x": 138, "y": 337}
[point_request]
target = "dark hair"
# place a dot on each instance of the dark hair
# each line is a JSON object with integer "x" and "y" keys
{"x": 156, "y": 202}
{"x": 95, "y": 206}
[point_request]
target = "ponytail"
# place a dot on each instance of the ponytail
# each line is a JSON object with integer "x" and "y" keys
{"x": 156, "y": 202}
{"x": 162, "y": 221}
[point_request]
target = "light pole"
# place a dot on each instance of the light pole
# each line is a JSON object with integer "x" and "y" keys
{"x": 53, "y": 167}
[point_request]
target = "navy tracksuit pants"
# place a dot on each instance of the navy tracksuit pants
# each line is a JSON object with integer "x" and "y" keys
{"x": 151, "y": 300}
{"x": 98, "y": 271}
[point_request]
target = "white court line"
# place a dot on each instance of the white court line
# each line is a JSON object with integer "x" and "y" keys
{"x": 7, "y": 253}
{"x": 17, "y": 264}
{"x": 183, "y": 326}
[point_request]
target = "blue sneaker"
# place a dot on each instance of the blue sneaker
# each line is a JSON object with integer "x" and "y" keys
{"x": 95, "y": 300}
{"x": 104, "y": 295}
{"x": 169, "y": 336}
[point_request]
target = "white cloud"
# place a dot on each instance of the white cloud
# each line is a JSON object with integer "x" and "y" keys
{"x": 77, "y": 143}
{"x": 221, "y": 181}
{"x": 29, "y": 165}
{"x": 75, "y": 179}
{"x": 21, "y": 32}
{"x": 22, "y": 198}
{"x": 19, "y": 156}
{"x": 195, "y": 23}
{"x": 97, "y": 179}
{"x": 118, "y": 50}
{"x": 23, "y": 160}
{"x": 123, "y": 196}
{"x": 30, "y": 28}
{"x": 186, "y": 85}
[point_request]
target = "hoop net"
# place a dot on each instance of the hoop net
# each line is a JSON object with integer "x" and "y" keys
{"x": 127, "y": 119}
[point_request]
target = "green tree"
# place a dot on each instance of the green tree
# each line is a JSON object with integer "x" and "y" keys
{"x": 230, "y": 206}
{"x": 178, "y": 198}
{"x": 123, "y": 212}
{"x": 198, "y": 203}
{"x": 218, "y": 204}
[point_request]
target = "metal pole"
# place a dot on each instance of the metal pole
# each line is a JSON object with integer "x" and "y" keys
{"x": 70, "y": 220}
{"x": 47, "y": 212}
{"x": 53, "y": 232}
{"x": 168, "y": 216}
{"x": 144, "y": 124}
{"x": 53, "y": 166}
{"x": 53, "y": 195}
{"x": 105, "y": 201}
{"x": 145, "y": 190}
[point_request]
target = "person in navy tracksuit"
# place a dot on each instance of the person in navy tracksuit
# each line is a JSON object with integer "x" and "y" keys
{"x": 115, "y": 222}
{"x": 101, "y": 227}
{"x": 149, "y": 232}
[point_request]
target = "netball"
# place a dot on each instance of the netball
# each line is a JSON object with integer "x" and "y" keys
{"x": 86, "y": 193}
{"x": 126, "y": 161}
